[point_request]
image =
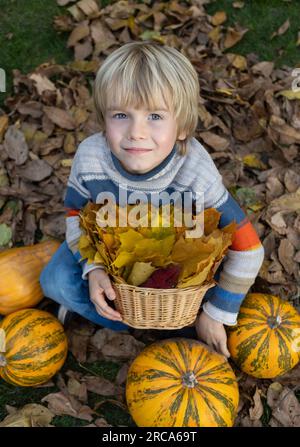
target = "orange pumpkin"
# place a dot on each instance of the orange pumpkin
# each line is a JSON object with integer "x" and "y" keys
{"x": 180, "y": 382}
{"x": 33, "y": 347}
{"x": 264, "y": 342}
{"x": 20, "y": 269}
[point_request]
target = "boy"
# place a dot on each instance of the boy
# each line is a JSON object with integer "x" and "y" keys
{"x": 146, "y": 98}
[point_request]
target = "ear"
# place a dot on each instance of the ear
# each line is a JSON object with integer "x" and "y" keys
{"x": 182, "y": 136}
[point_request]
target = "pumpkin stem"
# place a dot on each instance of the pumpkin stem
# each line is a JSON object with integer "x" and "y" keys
{"x": 189, "y": 380}
{"x": 274, "y": 322}
{"x": 3, "y": 361}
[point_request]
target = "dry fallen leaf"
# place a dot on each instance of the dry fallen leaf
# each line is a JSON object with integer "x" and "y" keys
{"x": 3, "y": 126}
{"x": 282, "y": 29}
{"x": 218, "y": 18}
{"x": 122, "y": 374}
{"x": 78, "y": 340}
{"x": 273, "y": 394}
{"x": 42, "y": 83}
{"x": 264, "y": 68}
{"x": 101, "y": 422}
{"x": 116, "y": 345}
{"x": 215, "y": 141}
{"x": 61, "y": 404}
{"x": 238, "y": 4}
{"x": 60, "y": 117}
{"x": 78, "y": 389}
{"x": 233, "y": 36}
{"x": 102, "y": 386}
{"x": 257, "y": 411}
{"x": 31, "y": 415}
{"x": 15, "y": 145}
{"x": 35, "y": 170}
{"x": 287, "y": 410}
{"x": 79, "y": 32}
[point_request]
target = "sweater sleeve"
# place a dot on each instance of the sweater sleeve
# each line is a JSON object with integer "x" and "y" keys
{"x": 242, "y": 262}
{"x": 76, "y": 197}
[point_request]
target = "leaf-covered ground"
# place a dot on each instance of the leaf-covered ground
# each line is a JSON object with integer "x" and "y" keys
{"x": 249, "y": 122}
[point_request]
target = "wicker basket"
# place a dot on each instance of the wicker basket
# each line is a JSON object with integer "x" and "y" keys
{"x": 148, "y": 308}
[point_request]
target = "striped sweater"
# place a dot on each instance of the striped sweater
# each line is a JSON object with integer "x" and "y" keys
{"x": 95, "y": 169}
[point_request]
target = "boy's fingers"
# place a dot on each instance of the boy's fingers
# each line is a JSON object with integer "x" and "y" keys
{"x": 106, "y": 314}
{"x": 223, "y": 349}
{"x": 106, "y": 287}
{"x": 104, "y": 308}
{"x": 110, "y": 293}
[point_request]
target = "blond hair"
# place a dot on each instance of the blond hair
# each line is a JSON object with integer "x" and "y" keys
{"x": 138, "y": 73}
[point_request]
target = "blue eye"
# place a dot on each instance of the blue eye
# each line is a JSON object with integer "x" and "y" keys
{"x": 114, "y": 116}
{"x": 155, "y": 114}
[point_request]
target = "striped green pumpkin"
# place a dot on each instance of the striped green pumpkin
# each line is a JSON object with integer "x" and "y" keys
{"x": 33, "y": 348}
{"x": 180, "y": 382}
{"x": 264, "y": 343}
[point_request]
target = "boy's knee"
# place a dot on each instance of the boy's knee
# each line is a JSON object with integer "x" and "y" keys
{"x": 55, "y": 279}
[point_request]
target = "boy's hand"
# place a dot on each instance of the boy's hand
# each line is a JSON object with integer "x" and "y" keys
{"x": 213, "y": 333}
{"x": 99, "y": 287}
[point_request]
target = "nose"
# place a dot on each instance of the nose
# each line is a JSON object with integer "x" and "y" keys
{"x": 137, "y": 130}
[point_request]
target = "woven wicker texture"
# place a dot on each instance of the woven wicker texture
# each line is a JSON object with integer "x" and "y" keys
{"x": 148, "y": 308}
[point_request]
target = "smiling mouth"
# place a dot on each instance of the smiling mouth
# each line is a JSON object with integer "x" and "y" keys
{"x": 138, "y": 150}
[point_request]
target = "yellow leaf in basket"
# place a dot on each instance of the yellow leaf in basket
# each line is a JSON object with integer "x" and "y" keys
{"x": 126, "y": 272}
{"x": 197, "y": 279}
{"x": 147, "y": 249}
{"x": 192, "y": 266}
{"x": 185, "y": 249}
{"x": 98, "y": 258}
{"x": 227, "y": 236}
{"x": 217, "y": 242}
{"x": 103, "y": 252}
{"x": 129, "y": 239}
{"x": 109, "y": 241}
{"x": 156, "y": 232}
{"x": 88, "y": 252}
{"x": 140, "y": 273}
{"x": 123, "y": 259}
{"x": 211, "y": 220}
{"x": 84, "y": 242}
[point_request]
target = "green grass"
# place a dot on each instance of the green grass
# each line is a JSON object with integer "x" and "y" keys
{"x": 263, "y": 18}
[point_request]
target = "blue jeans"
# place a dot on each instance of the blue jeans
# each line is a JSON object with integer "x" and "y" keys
{"x": 61, "y": 281}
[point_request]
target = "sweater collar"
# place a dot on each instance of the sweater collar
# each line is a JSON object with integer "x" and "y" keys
{"x": 146, "y": 175}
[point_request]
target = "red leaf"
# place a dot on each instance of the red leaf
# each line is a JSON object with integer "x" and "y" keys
{"x": 163, "y": 278}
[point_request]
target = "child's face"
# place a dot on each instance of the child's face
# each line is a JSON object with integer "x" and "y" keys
{"x": 153, "y": 130}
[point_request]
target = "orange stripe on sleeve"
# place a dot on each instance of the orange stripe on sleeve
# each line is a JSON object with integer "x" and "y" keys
{"x": 245, "y": 238}
{"x": 72, "y": 213}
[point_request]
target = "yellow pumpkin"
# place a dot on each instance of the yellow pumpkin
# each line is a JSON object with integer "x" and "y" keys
{"x": 33, "y": 347}
{"x": 264, "y": 343}
{"x": 20, "y": 269}
{"x": 180, "y": 382}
